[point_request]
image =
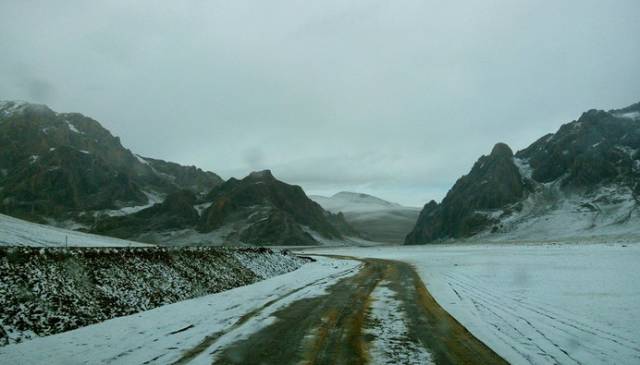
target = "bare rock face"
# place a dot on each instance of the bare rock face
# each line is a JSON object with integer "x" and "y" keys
{"x": 493, "y": 181}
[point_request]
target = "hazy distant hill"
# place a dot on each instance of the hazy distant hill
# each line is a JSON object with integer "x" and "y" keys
{"x": 583, "y": 180}
{"x": 378, "y": 219}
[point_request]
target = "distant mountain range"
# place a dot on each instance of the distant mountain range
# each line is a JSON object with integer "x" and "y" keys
{"x": 582, "y": 181}
{"x": 65, "y": 169}
{"x": 377, "y": 219}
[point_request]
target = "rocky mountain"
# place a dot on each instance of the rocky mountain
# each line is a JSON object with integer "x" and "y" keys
{"x": 258, "y": 209}
{"x": 65, "y": 167}
{"x": 583, "y": 180}
{"x": 377, "y": 219}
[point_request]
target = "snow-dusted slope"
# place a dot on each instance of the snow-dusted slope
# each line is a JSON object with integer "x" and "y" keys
{"x": 17, "y": 232}
{"x": 378, "y": 219}
{"x": 551, "y": 213}
{"x": 74, "y": 287}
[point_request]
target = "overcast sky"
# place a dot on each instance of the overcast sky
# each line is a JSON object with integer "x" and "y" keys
{"x": 394, "y": 98}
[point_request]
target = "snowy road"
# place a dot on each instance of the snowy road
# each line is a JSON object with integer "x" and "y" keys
{"x": 333, "y": 311}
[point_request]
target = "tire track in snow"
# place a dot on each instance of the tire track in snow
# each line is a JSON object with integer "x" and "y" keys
{"x": 547, "y": 325}
{"x": 545, "y": 312}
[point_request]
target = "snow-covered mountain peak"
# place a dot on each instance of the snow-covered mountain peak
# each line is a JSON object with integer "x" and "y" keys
{"x": 361, "y": 198}
{"x": 346, "y": 201}
{"x": 11, "y": 107}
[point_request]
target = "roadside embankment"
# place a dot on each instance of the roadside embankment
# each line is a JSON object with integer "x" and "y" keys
{"x": 44, "y": 291}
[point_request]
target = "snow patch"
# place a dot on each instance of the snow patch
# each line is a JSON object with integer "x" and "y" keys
{"x": 635, "y": 115}
{"x": 387, "y": 322}
{"x": 9, "y": 108}
{"x": 73, "y": 127}
{"x": 202, "y": 207}
{"x": 141, "y": 160}
{"x": 16, "y": 232}
{"x": 153, "y": 198}
{"x": 524, "y": 167}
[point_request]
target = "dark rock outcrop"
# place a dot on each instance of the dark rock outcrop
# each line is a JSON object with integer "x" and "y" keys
{"x": 276, "y": 212}
{"x": 493, "y": 182}
{"x": 597, "y": 148}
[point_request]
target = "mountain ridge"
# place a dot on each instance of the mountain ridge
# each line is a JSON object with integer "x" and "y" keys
{"x": 585, "y": 176}
{"x": 258, "y": 209}
{"x": 63, "y": 165}
{"x": 67, "y": 170}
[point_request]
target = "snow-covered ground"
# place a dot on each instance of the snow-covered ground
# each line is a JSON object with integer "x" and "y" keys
{"x": 152, "y": 199}
{"x": 165, "y": 334}
{"x": 535, "y": 304}
{"x": 17, "y": 232}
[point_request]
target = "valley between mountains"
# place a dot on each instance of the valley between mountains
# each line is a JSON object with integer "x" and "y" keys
{"x": 109, "y": 257}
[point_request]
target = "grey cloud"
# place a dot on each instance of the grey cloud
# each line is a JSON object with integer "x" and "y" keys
{"x": 40, "y": 90}
{"x": 397, "y": 98}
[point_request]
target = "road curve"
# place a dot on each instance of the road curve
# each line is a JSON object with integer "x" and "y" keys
{"x": 336, "y": 328}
